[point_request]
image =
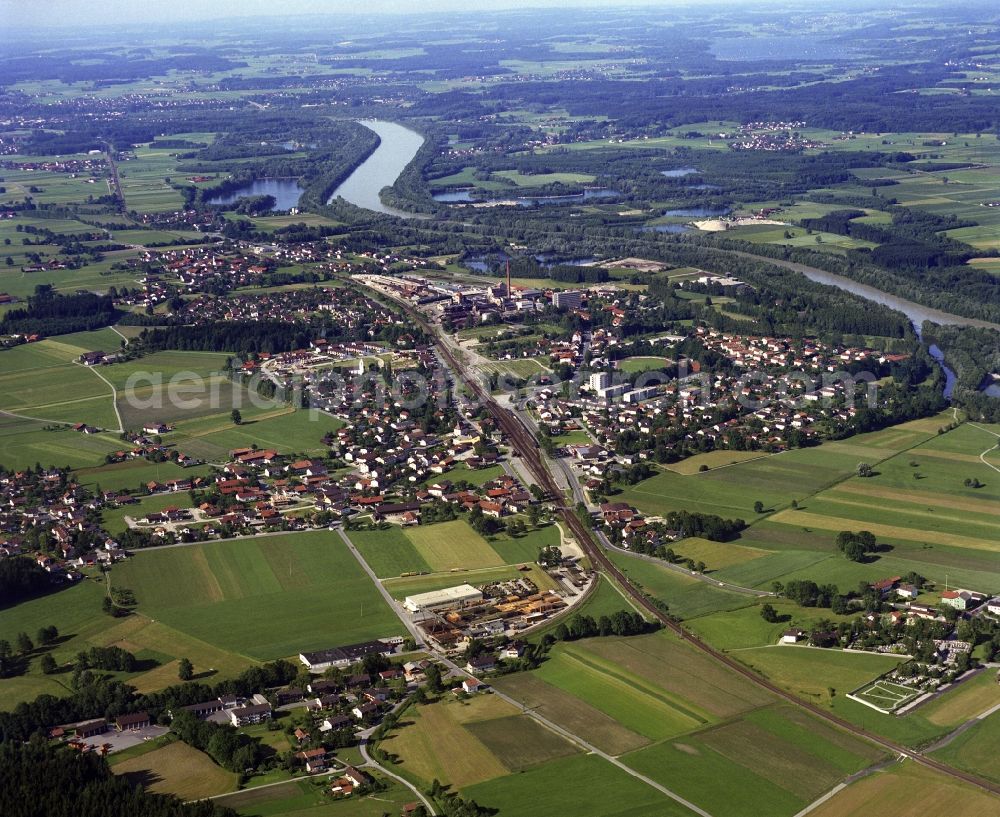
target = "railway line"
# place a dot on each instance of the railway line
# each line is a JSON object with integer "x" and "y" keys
{"x": 527, "y": 448}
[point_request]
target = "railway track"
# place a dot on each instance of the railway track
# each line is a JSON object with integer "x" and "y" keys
{"x": 524, "y": 443}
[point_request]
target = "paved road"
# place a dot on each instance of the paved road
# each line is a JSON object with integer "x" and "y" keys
{"x": 393, "y": 604}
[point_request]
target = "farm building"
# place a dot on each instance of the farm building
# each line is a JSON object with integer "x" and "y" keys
{"x": 446, "y": 597}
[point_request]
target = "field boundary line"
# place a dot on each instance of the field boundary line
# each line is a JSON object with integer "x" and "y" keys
{"x": 114, "y": 395}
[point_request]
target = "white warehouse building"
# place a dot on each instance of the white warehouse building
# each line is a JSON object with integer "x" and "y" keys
{"x": 446, "y": 597}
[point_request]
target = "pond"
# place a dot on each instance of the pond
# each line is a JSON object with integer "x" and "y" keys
{"x": 679, "y": 172}
{"x": 286, "y": 192}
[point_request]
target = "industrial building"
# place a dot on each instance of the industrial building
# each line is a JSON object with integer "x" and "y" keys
{"x": 446, "y": 597}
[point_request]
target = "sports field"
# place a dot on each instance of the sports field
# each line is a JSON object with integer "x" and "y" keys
{"x": 178, "y": 769}
{"x": 265, "y": 598}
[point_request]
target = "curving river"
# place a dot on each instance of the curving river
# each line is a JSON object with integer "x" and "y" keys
{"x": 917, "y": 313}
{"x": 397, "y": 147}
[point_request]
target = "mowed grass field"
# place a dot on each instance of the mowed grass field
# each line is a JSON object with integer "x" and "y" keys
{"x": 42, "y": 380}
{"x": 581, "y": 784}
{"x": 308, "y": 798}
{"x": 976, "y": 750}
{"x": 774, "y": 760}
{"x": 907, "y": 790}
{"x": 467, "y": 742}
{"x": 178, "y": 769}
{"x": 773, "y": 480}
{"x": 677, "y": 716}
{"x": 76, "y": 612}
{"x": 445, "y": 546}
{"x": 265, "y": 598}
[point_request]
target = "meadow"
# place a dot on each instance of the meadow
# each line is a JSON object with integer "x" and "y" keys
{"x": 264, "y": 598}
{"x": 308, "y": 798}
{"x": 903, "y": 787}
{"x": 445, "y": 546}
{"x": 467, "y": 742}
{"x": 76, "y": 612}
{"x": 773, "y": 761}
{"x": 581, "y": 784}
{"x": 178, "y": 769}
{"x": 976, "y": 750}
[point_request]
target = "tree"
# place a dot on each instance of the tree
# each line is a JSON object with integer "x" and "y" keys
{"x": 433, "y": 675}
{"x": 236, "y": 417}
{"x": 185, "y": 670}
{"x": 108, "y": 606}
{"x": 865, "y": 469}
{"x": 768, "y": 613}
{"x": 46, "y": 635}
{"x": 48, "y": 664}
{"x": 758, "y": 507}
{"x": 24, "y": 645}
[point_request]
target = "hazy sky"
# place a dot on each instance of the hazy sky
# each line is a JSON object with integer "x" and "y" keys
{"x": 42, "y": 13}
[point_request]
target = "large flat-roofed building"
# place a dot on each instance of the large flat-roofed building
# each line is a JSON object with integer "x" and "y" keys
{"x": 446, "y": 597}
{"x": 567, "y": 299}
{"x": 322, "y": 660}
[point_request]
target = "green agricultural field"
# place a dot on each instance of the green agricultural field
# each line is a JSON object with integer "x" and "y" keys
{"x": 712, "y": 459}
{"x": 267, "y": 598}
{"x": 76, "y": 612}
{"x": 524, "y": 549}
{"x": 436, "y": 741}
{"x": 976, "y": 750}
{"x": 41, "y": 381}
{"x": 811, "y": 672}
{"x": 772, "y": 761}
{"x": 636, "y": 703}
{"x": 308, "y": 798}
{"x": 775, "y": 480}
{"x": 685, "y": 596}
{"x": 24, "y": 443}
{"x": 290, "y": 431}
{"x": 450, "y": 545}
{"x": 582, "y": 784}
{"x": 133, "y": 474}
{"x": 903, "y": 787}
{"x": 388, "y": 552}
{"x": 743, "y": 628}
{"x": 178, "y": 769}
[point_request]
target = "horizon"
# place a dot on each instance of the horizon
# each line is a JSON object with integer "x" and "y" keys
{"x": 63, "y": 14}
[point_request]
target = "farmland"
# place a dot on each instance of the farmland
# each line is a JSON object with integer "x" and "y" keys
{"x": 302, "y": 591}
{"x": 76, "y": 612}
{"x": 178, "y": 769}
{"x": 899, "y": 788}
{"x": 308, "y": 798}
{"x": 977, "y": 749}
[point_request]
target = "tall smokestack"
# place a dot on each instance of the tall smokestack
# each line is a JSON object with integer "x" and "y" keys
{"x": 510, "y": 292}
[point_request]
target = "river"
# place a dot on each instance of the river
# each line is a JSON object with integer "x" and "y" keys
{"x": 396, "y": 150}
{"x": 917, "y": 313}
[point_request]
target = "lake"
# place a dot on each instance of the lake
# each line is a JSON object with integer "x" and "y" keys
{"x": 679, "y": 172}
{"x": 590, "y": 194}
{"x": 396, "y": 150}
{"x": 286, "y": 192}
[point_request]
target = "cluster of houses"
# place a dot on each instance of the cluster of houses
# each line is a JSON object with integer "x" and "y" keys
{"x": 49, "y": 518}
